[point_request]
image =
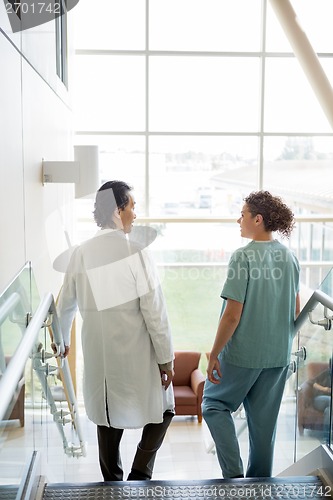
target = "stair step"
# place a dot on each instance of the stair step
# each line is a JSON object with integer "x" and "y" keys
{"x": 236, "y": 489}
{"x": 8, "y": 492}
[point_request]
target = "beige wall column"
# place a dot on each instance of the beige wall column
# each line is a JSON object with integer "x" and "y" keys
{"x": 305, "y": 54}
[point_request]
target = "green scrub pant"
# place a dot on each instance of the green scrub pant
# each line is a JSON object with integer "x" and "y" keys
{"x": 260, "y": 391}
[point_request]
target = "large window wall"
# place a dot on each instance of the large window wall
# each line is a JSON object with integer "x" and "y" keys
{"x": 196, "y": 103}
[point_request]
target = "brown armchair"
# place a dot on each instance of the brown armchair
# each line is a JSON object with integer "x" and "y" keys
{"x": 307, "y": 416}
{"x": 188, "y": 383}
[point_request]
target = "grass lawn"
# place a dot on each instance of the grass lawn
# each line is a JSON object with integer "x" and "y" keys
{"x": 194, "y": 305}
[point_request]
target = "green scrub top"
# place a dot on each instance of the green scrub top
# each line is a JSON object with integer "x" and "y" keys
{"x": 264, "y": 277}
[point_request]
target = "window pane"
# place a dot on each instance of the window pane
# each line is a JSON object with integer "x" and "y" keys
{"x": 211, "y": 25}
{"x": 109, "y": 93}
{"x": 201, "y": 176}
{"x": 192, "y": 260}
{"x": 290, "y": 103}
{"x": 307, "y": 164}
{"x": 110, "y": 24}
{"x": 120, "y": 158}
{"x": 204, "y": 94}
{"x": 315, "y": 17}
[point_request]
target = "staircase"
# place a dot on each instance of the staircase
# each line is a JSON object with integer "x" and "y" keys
{"x": 309, "y": 487}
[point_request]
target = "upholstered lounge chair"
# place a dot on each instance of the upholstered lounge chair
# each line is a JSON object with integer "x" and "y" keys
{"x": 188, "y": 384}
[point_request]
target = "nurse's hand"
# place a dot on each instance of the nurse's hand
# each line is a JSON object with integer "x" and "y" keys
{"x": 213, "y": 366}
{"x": 166, "y": 377}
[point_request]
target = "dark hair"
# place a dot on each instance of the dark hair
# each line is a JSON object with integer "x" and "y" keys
{"x": 109, "y": 197}
{"x": 276, "y": 215}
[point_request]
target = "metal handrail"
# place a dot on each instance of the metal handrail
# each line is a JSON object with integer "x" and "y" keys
{"x": 318, "y": 297}
{"x": 8, "y": 306}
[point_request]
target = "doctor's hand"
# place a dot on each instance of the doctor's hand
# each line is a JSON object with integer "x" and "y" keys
{"x": 57, "y": 353}
{"x": 166, "y": 377}
{"x": 212, "y": 368}
{"x": 66, "y": 351}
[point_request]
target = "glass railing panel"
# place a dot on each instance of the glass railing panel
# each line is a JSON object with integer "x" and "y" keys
{"x": 314, "y": 378}
{"x": 17, "y": 303}
{"x": 298, "y": 432}
{"x": 313, "y": 402}
{"x": 327, "y": 284}
{"x": 15, "y": 306}
{"x": 42, "y": 416}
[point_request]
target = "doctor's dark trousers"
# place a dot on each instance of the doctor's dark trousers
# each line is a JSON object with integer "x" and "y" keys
{"x": 142, "y": 467}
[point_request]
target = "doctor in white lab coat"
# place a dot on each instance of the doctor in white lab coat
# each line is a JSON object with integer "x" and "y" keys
{"x": 126, "y": 338}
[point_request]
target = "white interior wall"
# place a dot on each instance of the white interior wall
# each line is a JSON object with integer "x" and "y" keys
{"x": 12, "y": 247}
{"x": 35, "y": 122}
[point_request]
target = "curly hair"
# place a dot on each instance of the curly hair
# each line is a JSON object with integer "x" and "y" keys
{"x": 110, "y": 196}
{"x": 276, "y": 215}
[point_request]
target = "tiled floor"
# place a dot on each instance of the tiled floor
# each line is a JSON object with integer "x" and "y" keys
{"x": 185, "y": 453}
{"x": 182, "y": 455}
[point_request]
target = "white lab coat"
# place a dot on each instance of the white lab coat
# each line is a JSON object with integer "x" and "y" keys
{"x": 125, "y": 330}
